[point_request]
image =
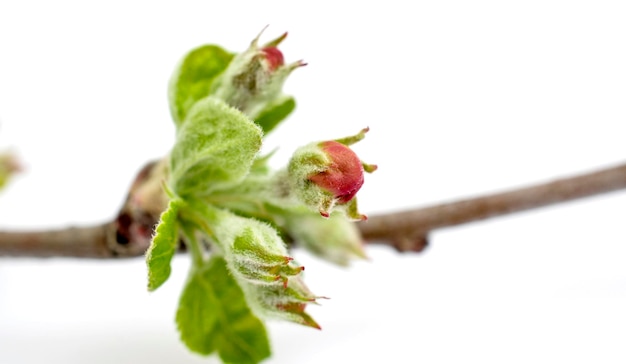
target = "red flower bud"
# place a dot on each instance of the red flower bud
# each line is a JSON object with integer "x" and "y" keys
{"x": 253, "y": 80}
{"x": 328, "y": 174}
{"x": 344, "y": 176}
{"x": 274, "y": 57}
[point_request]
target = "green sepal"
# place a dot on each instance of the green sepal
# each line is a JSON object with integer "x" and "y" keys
{"x": 193, "y": 78}
{"x": 214, "y": 149}
{"x": 259, "y": 243}
{"x": 163, "y": 246}
{"x": 283, "y": 302}
{"x": 213, "y": 316}
{"x": 275, "y": 112}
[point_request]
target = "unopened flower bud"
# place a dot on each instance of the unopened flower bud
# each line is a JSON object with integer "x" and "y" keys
{"x": 343, "y": 177}
{"x": 258, "y": 256}
{"x": 329, "y": 173}
{"x": 255, "y": 77}
{"x": 287, "y": 303}
{"x": 274, "y": 57}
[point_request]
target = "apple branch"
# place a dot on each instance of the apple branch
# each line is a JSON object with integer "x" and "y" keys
{"x": 407, "y": 231}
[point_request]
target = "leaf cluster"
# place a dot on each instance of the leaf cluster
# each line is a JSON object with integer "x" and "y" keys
{"x": 232, "y": 211}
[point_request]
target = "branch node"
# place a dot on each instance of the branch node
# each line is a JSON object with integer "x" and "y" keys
{"x": 414, "y": 244}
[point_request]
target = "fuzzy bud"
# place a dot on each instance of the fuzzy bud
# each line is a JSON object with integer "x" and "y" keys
{"x": 258, "y": 256}
{"x": 273, "y": 58}
{"x": 288, "y": 303}
{"x": 254, "y": 78}
{"x": 327, "y": 174}
{"x": 343, "y": 177}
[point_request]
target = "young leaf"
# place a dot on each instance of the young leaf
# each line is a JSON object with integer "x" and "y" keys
{"x": 213, "y": 316}
{"x": 193, "y": 78}
{"x": 163, "y": 246}
{"x": 275, "y": 112}
{"x": 215, "y": 148}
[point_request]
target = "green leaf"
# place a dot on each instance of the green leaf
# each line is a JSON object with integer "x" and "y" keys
{"x": 215, "y": 148}
{"x": 163, "y": 246}
{"x": 275, "y": 112}
{"x": 213, "y": 316}
{"x": 193, "y": 78}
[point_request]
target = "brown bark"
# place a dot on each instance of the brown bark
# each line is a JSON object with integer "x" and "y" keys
{"x": 80, "y": 242}
{"x": 408, "y": 230}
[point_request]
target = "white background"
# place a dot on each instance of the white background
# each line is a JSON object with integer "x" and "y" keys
{"x": 462, "y": 98}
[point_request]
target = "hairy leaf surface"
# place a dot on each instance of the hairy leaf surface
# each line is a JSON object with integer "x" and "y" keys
{"x": 163, "y": 246}
{"x": 215, "y": 148}
{"x": 193, "y": 78}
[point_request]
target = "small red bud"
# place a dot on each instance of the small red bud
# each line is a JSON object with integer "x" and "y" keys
{"x": 344, "y": 176}
{"x": 274, "y": 57}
